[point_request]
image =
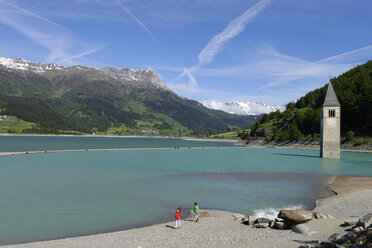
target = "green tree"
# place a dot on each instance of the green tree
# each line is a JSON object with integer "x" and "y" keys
{"x": 284, "y": 136}
{"x": 287, "y": 114}
{"x": 3, "y": 106}
{"x": 274, "y": 133}
{"x": 291, "y": 106}
{"x": 308, "y": 120}
{"x": 276, "y": 115}
{"x": 296, "y": 134}
{"x": 301, "y": 103}
{"x": 254, "y": 128}
{"x": 349, "y": 136}
{"x": 265, "y": 118}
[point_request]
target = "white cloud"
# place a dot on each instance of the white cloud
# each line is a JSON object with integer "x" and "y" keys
{"x": 274, "y": 70}
{"x": 62, "y": 44}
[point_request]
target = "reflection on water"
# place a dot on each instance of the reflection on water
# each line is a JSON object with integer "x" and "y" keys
{"x": 327, "y": 164}
{"x": 296, "y": 155}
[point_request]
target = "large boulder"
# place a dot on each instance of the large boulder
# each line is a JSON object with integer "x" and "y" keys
{"x": 249, "y": 220}
{"x": 261, "y": 225}
{"x": 272, "y": 224}
{"x": 296, "y": 216}
{"x": 351, "y": 222}
{"x": 305, "y": 246}
{"x": 280, "y": 225}
{"x": 326, "y": 244}
{"x": 337, "y": 238}
{"x": 334, "y": 237}
{"x": 358, "y": 229}
{"x": 302, "y": 229}
{"x": 238, "y": 216}
{"x": 366, "y": 221}
{"x": 350, "y": 237}
{"x": 262, "y": 220}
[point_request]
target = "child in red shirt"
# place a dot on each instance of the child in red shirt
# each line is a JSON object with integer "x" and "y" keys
{"x": 178, "y": 218}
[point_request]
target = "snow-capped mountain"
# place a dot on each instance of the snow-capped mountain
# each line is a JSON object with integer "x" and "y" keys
{"x": 243, "y": 108}
{"x": 140, "y": 75}
{"x": 21, "y": 64}
{"x": 139, "y": 78}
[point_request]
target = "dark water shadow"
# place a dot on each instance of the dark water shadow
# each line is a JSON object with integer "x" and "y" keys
{"x": 296, "y": 155}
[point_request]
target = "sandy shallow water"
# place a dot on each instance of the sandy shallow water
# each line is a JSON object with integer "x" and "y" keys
{"x": 220, "y": 229}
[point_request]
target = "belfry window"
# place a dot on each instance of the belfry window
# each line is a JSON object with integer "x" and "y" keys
{"x": 331, "y": 113}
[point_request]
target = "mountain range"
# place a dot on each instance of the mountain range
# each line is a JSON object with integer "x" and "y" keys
{"x": 243, "y": 108}
{"x": 107, "y": 100}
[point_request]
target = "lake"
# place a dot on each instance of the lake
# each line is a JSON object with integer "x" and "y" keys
{"x": 54, "y": 195}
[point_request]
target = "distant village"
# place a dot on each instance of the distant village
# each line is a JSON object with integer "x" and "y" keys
{"x": 149, "y": 131}
{"x": 2, "y": 118}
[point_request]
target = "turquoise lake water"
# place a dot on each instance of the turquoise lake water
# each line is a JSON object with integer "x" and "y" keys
{"x": 43, "y": 143}
{"x": 54, "y": 195}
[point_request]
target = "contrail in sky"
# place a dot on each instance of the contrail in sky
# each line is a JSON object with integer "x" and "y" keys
{"x": 345, "y": 54}
{"x": 193, "y": 84}
{"x": 59, "y": 40}
{"x": 320, "y": 67}
{"x": 234, "y": 28}
{"x": 138, "y": 21}
{"x": 67, "y": 59}
{"x": 35, "y": 15}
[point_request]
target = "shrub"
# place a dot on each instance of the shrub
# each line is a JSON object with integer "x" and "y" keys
{"x": 349, "y": 136}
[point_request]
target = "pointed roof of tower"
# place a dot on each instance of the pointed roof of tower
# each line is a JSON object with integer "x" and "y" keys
{"x": 331, "y": 98}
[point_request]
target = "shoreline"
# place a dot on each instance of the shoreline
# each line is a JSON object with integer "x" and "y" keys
{"x": 263, "y": 144}
{"x": 115, "y": 136}
{"x": 220, "y": 229}
{"x": 236, "y": 145}
{"x": 3, "y": 154}
{"x": 254, "y": 144}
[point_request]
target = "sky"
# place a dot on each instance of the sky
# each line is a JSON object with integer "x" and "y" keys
{"x": 270, "y": 51}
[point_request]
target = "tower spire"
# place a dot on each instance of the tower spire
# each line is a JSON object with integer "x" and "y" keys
{"x": 331, "y": 98}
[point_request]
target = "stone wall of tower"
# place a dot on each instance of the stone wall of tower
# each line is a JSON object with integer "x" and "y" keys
{"x": 330, "y": 133}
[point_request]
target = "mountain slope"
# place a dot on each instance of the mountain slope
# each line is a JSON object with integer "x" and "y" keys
{"x": 302, "y": 119}
{"x": 126, "y": 100}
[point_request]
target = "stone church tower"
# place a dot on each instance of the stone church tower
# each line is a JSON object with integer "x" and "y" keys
{"x": 330, "y": 125}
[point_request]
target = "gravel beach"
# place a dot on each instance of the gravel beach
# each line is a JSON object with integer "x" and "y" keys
{"x": 221, "y": 229}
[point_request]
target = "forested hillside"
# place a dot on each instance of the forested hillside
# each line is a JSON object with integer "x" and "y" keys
{"x": 106, "y": 101}
{"x": 301, "y": 119}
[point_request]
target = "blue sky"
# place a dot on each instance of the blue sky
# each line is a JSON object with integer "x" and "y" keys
{"x": 272, "y": 51}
